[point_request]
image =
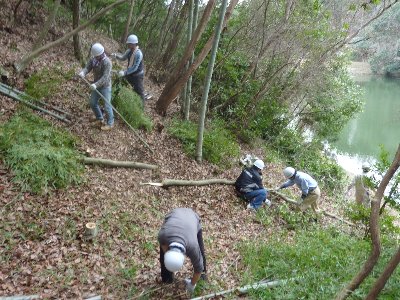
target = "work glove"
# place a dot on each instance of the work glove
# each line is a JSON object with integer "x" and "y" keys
{"x": 93, "y": 86}
{"x": 121, "y": 73}
{"x": 267, "y": 202}
{"x": 81, "y": 74}
{"x": 113, "y": 55}
{"x": 189, "y": 286}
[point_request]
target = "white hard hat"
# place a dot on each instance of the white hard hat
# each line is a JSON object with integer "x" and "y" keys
{"x": 259, "y": 164}
{"x": 289, "y": 172}
{"x": 132, "y": 39}
{"x": 173, "y": 260}
{"x": 97, "y": 49}
{"x": 366, "y": 167}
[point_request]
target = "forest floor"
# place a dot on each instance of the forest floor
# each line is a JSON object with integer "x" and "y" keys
{"x": 42, "y": 250}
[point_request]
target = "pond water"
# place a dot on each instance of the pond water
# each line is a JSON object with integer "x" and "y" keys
{"x": 378, "y": 124}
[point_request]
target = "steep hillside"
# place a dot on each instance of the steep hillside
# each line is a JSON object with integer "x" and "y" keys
{"x": 42, "y": 251}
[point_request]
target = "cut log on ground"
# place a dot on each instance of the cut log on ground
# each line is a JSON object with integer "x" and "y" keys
{"x": 176, "y": 182}
{"x": 245, "y": 289}
{"x": 117, "y": 164}
{"x": 20, "y": 297}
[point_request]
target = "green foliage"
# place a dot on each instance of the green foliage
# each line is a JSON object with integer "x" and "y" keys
{"x": 392, "y": 196}
{"x": 318, "y": 260}
{"x": 46, "y": 82}
{"x": 218, "y": 146}
{"x": 41, "y": 156}
{"x": 129, "y": 105}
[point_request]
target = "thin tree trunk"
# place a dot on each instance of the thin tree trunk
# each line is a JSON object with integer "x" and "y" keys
{"x": 383, "y": 278}
{"x": 189, "y": 82}
{"x": 76, "y": 12}
{"x": 210, "y": 69}
{"x": 47, "y": 25}
{"x": 128, "y": 23}
{"x": 21, "y": 65}
{"x": 179, "y": 78}
{"x": 374, "y": 229}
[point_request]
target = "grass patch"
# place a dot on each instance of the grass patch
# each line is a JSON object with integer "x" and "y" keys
{"x": 129, "y": 105}
{"x": 41, "y": 156}
{"x": 321, "y": 260}
{"x": 218, "y": 145}
{"x": 46, "y": 82}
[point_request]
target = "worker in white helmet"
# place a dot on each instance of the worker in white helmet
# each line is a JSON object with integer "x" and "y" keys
{"x": 134, "y": 72}
{"x": 360, "y": 183}
{"x": 250, "y": 187}
{"x": 101, "y": 66}
{"x": 310, "y": 192}
{"x": 180, "y": 236}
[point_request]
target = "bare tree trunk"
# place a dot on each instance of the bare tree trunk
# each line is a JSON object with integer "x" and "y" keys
{"x": 210, "y": 69}
{"x": 27, "y": 59}
{"x": 171, "y": 90}
{"x": 128, "y": 23}
{"x": 381, "y": 281}
{"x": 46, "y": 26}
{"x": 179, "y": 78}
{"x": 177, "y": 182}
{"x": 187, "y": 100}
{"x": 374, "y": 229}
{"x": 76, "y": 12}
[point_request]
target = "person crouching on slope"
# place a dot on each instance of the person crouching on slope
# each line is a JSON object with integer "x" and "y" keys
{"x": 101, "y": 66}
{"x": 180, "y": 236}
{"x": 249, "y": 186}
{"x": 310, "y": 192}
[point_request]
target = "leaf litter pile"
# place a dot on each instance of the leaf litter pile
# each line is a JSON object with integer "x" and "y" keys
{"x": 42, "y": 249}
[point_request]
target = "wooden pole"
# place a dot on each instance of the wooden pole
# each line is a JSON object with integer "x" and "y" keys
{"x": 176, "y": 182}
{"x": 114, "y": 163}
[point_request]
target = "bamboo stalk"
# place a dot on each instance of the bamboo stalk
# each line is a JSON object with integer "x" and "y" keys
{"x": 25, "y": 95}
{"x": 13, "y": 95}
{"x": 114, "y": 163}
{"x": 245, "y": 289}
{"x": 176, "y": 182}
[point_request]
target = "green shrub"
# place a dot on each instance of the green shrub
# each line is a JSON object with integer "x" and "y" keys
{"x": 129, "y": 105}
{"x": 218, "y": 144}
{"x": 321, "y": 261}
{"x": 46, "y": 82}
{"x": 41, "y": 156}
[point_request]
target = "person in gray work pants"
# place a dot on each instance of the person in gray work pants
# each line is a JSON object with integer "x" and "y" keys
{"x": 180, "y": 236}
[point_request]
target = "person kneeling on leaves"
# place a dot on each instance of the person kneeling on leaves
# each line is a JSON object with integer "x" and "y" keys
{"x": 249, "y": 186}
{"x": 310, "y": 192}
{"x": 180, "y": 236}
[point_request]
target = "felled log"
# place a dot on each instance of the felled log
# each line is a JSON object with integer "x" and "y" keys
{"x": 20, "y": 297}
{"x": 176, "y": 182}
{"x": 116, "y": 163}
{"x": 245, "y": 289}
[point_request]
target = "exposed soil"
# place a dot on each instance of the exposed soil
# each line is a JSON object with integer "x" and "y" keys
{"x": 44, "y": 253}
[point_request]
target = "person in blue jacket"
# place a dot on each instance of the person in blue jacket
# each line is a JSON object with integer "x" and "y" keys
{"x": 249, "y": 185}
{"x": 134, "y": 73}
{"x": 310, "y": 192}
